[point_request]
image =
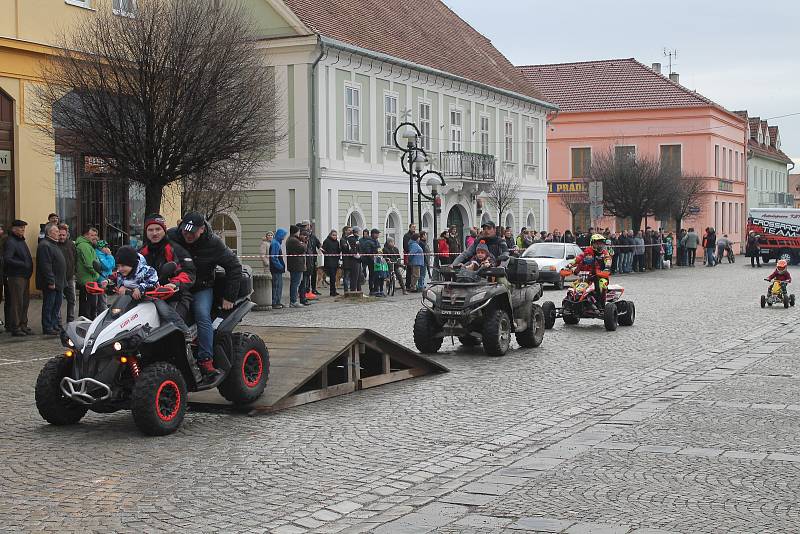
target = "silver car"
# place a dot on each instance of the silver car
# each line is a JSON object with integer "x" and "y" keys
{"x": 551, "y": 258}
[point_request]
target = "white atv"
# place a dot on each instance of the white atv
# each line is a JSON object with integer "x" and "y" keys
{"x": 128, "y": 359}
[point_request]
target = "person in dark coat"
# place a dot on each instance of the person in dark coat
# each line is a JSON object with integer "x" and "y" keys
{"x": 368, "y": 247}
{"x": 18, "y": 268}
{"x": 207, "y": 251}
{"x": 50, "y": 279}
{"x": 296, "y": 264}
{"x": 454, "y": 245}
{"x": 3, "y": 239}
{"x": 159, "y": 250}
{"x": 752, "y": 249}
{"x": 352, "y": 259}
{"x": 67, "y": 247}
{"x": 412, "y": 229}
{"x": 332, "y": 250}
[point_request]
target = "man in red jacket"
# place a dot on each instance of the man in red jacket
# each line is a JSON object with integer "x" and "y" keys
{"x": 595, "y": 260}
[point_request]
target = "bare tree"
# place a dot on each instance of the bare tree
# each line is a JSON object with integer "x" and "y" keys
{"x": 574, "y": 202}
{"x": 503, "y": 194}
{"x": 634, "y": 188}
{"x": 176, "y": 91}
{"x": 685, "y": 198}
{"x": 216, "y": 190}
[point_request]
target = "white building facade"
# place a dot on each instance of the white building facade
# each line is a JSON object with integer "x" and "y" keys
{"x": 338, "y": 165}
{"x": 767, "y": 173}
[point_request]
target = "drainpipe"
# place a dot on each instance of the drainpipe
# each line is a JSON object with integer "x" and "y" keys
{"x": 314, "y": 170}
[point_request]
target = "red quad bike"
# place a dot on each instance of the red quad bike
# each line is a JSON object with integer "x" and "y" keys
{"x": 581, "y": 303}
{"x": 127, "y": 359}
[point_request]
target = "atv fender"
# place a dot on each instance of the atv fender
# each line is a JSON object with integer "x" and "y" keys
{"x": 166, "y": 343}
{"x": 502, "y": 300}
{"x": 235, "y": 317}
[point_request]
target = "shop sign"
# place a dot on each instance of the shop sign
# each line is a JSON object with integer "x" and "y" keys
{"x": 5, "y": 160}
{"x": 566, "y": 187}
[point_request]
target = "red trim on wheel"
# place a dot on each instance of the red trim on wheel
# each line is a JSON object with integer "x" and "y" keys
{"x": 251, "y": 383}
{"x": 176, "y": 408}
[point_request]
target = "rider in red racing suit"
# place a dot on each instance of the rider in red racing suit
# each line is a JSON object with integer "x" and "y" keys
{"x": 595, "y": 260}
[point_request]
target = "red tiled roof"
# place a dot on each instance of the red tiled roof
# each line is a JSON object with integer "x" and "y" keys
{"x": 768, "y": 151}
{"x": 610, "y": 85}
{"x": 755, "y": 124}
{"x": 424, "y": 32}
{"x": 773, "y": 135}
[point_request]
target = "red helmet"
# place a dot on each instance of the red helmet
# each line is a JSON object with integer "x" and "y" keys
{"x": 781, "y": 265}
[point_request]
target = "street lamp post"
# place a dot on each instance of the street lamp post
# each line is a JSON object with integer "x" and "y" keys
{"x": 417, "y": 161}
{"x": 410, "y": 136}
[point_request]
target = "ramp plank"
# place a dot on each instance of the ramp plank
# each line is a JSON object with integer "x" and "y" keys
{"x": 297, "y": 354}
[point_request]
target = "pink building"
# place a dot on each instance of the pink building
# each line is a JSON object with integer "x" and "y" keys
{"x": 623, "y": 105}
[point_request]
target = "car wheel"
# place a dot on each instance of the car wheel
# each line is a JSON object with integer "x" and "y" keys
{"x": 159, "y": 399}
{"x": 763, "y": 301}
{"x": 249, "y": 371}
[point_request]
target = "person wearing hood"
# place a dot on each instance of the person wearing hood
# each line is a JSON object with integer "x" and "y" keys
{"x": 135, "y": 277}
{"x": 87, "y": 269}
{"x": 105, "y": 260}
{"x": 158, "y": 250}
{"x": 332, "y": 250}
{"x": 416, "y": 263}
{"x": 277, "y": 266}
{"x": 208, "y": 251}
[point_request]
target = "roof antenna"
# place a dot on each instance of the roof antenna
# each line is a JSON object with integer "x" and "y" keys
{"x": 670, "y": 53}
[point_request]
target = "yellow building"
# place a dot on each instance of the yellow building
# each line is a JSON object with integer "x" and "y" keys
{"x": 35, "y": 177}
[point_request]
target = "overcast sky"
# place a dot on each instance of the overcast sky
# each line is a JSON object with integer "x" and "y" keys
{"x": 741, "y": 54}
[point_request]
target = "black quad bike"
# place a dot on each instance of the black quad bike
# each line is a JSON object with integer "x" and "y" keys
{"x": 582, "y": 302}
{"x": 485, "y": 306}
{"x": 127, "y": 359}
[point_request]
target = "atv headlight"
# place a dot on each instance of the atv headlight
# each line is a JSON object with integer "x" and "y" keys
{"x": 117, "y": 346}
{"x": 477, "y": 296}
{"x": 70, "y": 343}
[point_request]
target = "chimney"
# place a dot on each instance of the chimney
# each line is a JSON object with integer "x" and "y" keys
{"x": 674, "y": 77}
{"x": 657, "y": 68}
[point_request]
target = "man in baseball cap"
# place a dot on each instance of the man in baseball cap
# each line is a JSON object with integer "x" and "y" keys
{"x": 208, "y": 251}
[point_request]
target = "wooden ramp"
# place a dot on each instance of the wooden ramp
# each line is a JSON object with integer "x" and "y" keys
{"x": 311, "y": 364}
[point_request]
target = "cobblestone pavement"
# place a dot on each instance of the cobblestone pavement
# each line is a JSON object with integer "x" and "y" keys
{"x": 686, "y": 422}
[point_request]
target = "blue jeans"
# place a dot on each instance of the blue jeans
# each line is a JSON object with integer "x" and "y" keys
{"x": 277, "y": 288}
{"x": 51, "y": 306}
{"x": 201, "y": 309}
{"x": 421, "y": 282}
{"x": 710, "y": 257}
{"x": 294, "y": 286}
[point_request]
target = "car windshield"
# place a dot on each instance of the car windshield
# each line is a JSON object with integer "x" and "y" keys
{"x": 545, "y": 250}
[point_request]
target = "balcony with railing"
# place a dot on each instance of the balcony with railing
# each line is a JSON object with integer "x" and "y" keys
{"x": 468, "y": 166}
{"x": 771, "y": 199}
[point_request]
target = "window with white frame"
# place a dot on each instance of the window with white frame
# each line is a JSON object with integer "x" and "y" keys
{"x": 455, "y": 130}
{"x": 352, "y": 113}
{"x": 484, "y": 134}
{"x": 124, "y": 8}
{"x": 724, "y": 160}
{"x": 508, "y": 135}
{"x": 736, "y": 173}
{"x": 390, "y": 118}
{"x": 730, "y": 164}
{"x": 425, "y": 124}
{"x": 716, "y": 161}
{"x": 530, "y": 144}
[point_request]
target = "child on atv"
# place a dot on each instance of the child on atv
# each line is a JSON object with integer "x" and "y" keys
{"x": 482, "y": 258}
{"x": 595, "y": 260}
{"x": 134, "y": 275}
{"x": 781, "y": 274}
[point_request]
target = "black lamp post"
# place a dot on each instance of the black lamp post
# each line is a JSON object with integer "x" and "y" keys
{"x": 415, "y": 168}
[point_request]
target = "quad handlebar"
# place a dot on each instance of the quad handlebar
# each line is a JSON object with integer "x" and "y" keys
{"x": 159, "y": 293}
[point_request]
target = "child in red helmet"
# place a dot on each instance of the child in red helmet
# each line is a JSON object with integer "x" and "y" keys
{"x": 781, "y": 274}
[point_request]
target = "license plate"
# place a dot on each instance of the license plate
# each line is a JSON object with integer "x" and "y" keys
{"x": 451, "y": 312}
